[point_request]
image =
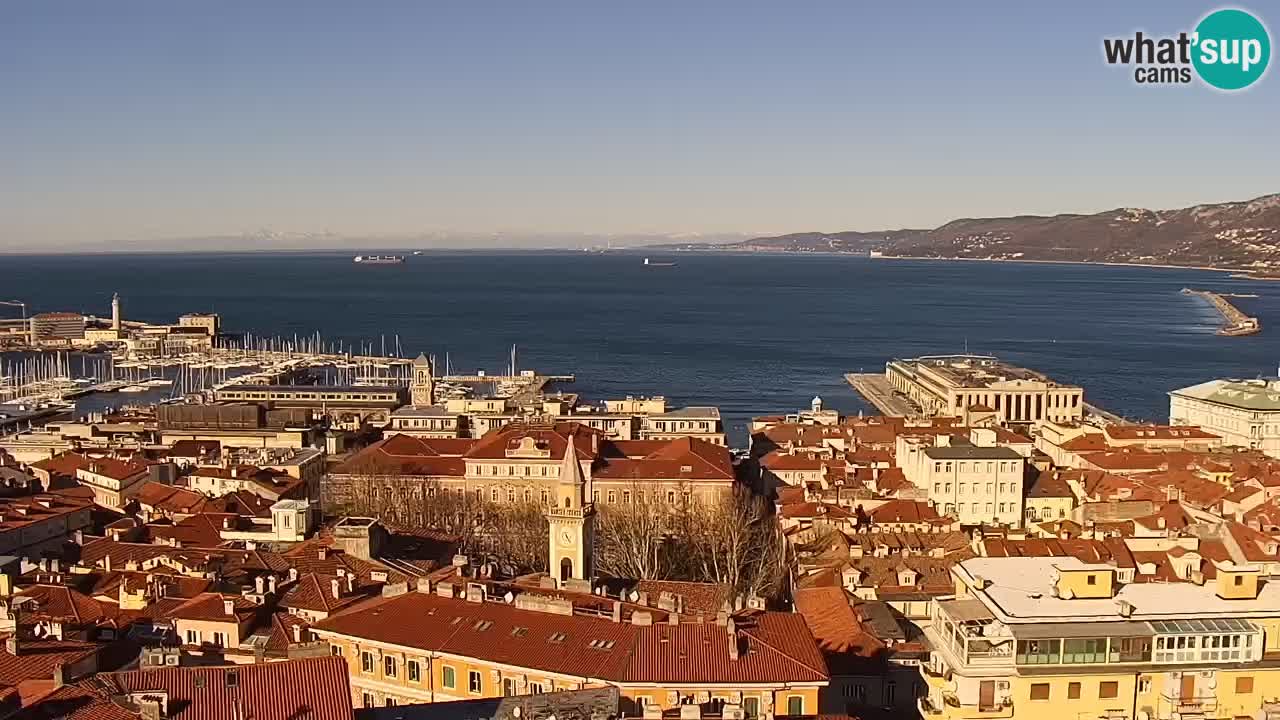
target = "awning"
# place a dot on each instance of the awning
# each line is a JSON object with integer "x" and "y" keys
{"x": 1048, "y": 631}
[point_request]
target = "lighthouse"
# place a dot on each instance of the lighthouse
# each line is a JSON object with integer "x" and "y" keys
{"x": 115, "y": 311}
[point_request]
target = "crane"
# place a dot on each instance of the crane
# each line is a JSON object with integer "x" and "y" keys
{"x": 17, "y": 303}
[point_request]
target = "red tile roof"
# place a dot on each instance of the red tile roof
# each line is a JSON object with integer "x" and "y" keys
{"x": 305, "y": 689}
{"x": 903, "y": 511}
{"x": 845, "y": 643}
{"x": 775, "y": 647}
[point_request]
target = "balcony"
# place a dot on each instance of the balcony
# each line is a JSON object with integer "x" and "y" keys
{"x": 926, "y": 708}
{"x": 1188, "y": 707}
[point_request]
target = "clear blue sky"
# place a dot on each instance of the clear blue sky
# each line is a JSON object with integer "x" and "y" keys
{"x": 127, "y": 120}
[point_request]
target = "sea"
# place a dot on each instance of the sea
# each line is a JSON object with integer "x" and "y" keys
{"x": 750, "y": 333}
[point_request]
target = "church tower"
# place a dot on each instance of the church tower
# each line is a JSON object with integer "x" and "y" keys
{"x": 572, "y": 522}
{"x": 422, "y": 389}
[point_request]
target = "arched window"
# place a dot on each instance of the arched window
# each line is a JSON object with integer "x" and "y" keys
{"x": 566, "y": 569}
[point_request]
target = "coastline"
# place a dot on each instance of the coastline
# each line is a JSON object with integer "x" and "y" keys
{"x": 1242, "y": 273}
{"x": 1168, "y": 266}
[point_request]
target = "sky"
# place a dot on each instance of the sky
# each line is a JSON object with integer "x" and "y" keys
{"x": 131, "y": 120}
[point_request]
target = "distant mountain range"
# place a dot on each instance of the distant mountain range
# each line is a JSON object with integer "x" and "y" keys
{"x": 1244, "y": 235}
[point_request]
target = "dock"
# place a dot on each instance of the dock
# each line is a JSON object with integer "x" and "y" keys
{"x": 875, "y": 389}
{"x": 1235, "y": 322}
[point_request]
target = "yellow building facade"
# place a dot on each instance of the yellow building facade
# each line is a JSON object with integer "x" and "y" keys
{"x": 1059, "y": 638}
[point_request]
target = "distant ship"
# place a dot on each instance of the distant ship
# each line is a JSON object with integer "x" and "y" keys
{"x": 378, "y": 259}
{"x": 650, "y": 263}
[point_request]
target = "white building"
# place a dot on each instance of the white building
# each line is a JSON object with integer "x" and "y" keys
{"x": 1246, "y": 413}
{"x": 969, "y": 477}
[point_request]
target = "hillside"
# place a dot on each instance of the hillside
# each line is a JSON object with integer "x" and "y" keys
{"x": 1236, "y": 235}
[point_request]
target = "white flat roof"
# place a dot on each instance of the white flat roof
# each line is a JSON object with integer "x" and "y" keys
{"x": 1021, "y": 591}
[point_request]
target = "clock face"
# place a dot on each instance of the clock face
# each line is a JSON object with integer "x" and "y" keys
{"x": 567, "y": 537}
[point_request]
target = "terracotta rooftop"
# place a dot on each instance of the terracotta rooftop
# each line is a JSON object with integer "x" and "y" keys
{"x": 304, "y": 689}
{"x": 774, "y": 647}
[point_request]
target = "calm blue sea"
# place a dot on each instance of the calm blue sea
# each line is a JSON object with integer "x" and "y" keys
{"x": 750, "y": 333}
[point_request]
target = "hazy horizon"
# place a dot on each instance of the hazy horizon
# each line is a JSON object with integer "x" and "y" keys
{"x": 143, "y": 125}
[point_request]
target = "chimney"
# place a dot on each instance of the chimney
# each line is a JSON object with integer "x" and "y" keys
{"x": 259, "y": 584}
{"x": 226, "y": 523}
{"x": 336, "y": 587}
{"x": 293, "y": 574}
{"x": 271, "y": 584}
{"x": 323, "y": 553}
{"x": 59, "y": 675}
{"x": 229, "y": 607}
{"x": 106, "y": 562}
{"x": 11, "y": 643}
{"x": 297, "y": 633}
{"x": 617, "y": 611}
{"x": 150, "y": 708}
{"x": 731, "y": 628}
{"x": 351, "y": 582}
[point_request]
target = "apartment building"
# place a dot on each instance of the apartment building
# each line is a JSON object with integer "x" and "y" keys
{"x": 427, "y": 647}
{"x": 522, "y": 462}
{"x": 1245, "y": 413}
{"x": 1057, "y": 637}
{"x": 970, "y": 477}
{"x": 980, "y": 385}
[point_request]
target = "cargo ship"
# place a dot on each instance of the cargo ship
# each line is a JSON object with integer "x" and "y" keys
{"x": 378, "y": 259}
{"x": 654, "y": 263}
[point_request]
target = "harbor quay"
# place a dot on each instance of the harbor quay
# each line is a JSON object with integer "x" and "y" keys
{"x": 241, "y": 503}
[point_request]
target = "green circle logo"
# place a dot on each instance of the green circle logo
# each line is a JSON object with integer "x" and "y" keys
{"x": 1231, "y": 49}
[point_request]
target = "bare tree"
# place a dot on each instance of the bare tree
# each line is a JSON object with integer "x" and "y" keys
{"x": 731, "y": 540}
{"x": 632, "y": 539}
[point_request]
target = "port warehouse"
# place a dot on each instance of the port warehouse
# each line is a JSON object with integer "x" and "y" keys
{"x": 955, "y": 383}
{"x": 311, "y": 395}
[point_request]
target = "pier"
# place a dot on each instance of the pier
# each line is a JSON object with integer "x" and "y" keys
{"x": 1235, "y": 322}
{"x": 875, "y": 389}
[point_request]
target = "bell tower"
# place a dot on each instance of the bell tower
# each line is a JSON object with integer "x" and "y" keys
{"x": 422, "y": 389}
{"x": 571, "y": 522}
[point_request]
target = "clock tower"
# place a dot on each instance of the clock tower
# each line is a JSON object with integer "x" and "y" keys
{"x": 572, "y": 521}
{"x": 422, "y": 388}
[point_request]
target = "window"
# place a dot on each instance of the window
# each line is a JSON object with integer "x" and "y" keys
{"x": 366, "y": 662}
{"x": 389, "y": 702}
{"x": 366, "y": 699}
{"x": 389, "y": 668}
{"x": 508, "y": 687}
{"x": 536, "y": 688}
{"x": 415, "y": 671}
{"x": 1073, "y": 691}
{"x": 1091, "y": 580}
{"x": 335, "y": 650}
{"x": 795, "y": 705}
{"x": 1238, "y": 580}
{"x": 751, "y": 707}
{"x": 626, "y": 497}
{"x": 448, "y": 678}
{"x": 613, "y": 496}
{"x": 890, "y": 691}
{"x": 860, "y": 693}
{"x": 1108, "y": 689}
{"x": 473, "y": 682}
{"x": 1244, "y": 684}
{"x": 220, "y": 639}
{"x": 1039, "y": 691}
{"x": 193, "y": 637}
{"x": 1144, "y": 684}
